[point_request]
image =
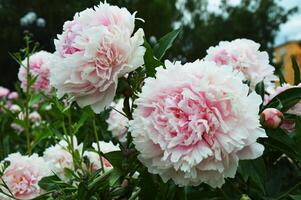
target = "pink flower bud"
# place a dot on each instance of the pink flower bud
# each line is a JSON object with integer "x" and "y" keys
{"x": 271, "y": 118}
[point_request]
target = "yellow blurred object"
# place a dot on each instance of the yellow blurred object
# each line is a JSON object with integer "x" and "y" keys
{"x": 283, "y": 53}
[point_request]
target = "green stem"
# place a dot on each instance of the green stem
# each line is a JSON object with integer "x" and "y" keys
{"x": 27, "y": 94}
{"x": 97, "y": 142}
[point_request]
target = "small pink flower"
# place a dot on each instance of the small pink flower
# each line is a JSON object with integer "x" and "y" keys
{"x": 23, "y": 175}
{"x": 271, "y": 118}
{"x": 194, "y": 122}
{"x": 13, "y": 95}
{"x": 3, "y": 92}
{"x": 39, "y": 65}
{"x": 96, "y": 48}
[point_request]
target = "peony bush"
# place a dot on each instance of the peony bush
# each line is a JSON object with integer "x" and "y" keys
{"x": 107, "y": 117}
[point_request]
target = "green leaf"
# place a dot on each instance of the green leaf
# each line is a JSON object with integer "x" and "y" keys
{"x": 52, "y": 183}
{"x": 298, "y": 136}
{"x": 254, "y": 170}
{"x": 147, "y": 184}
{"x": 280, "y": 141}
{"x": 165, "y": 43}
{"x": 114, "y": 177}
{"x": 296, "y": 70}
{"x": 288, "y": 99}
{"x": 150, "y": 61}
{"x": 296, "y": 197}
{"x": 259, "y": 88}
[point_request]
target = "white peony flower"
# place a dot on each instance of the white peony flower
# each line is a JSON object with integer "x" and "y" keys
{"x": 39, "y": 66}
{"x": 58, "y": 157}
{"x": 23, "y": 175}
{"x": 94, "y": 50}
{"x": 243, "y": 55}
{"x": 194, "y": 122}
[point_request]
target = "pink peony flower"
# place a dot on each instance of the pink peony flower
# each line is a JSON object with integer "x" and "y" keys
{"x": 39, "y": 65}
{"x": 23, "y": 175}
{"x": 271, "y": 118}
{"x": 3, "y": 92}
{"x": 118, "y": 123}
{"x": 94, "y": 50}
{"x": 13, "y": 95}
{"x": 194, "y": 122}
{"x": 243, "y": 55}
{"x": 58, "y": 157}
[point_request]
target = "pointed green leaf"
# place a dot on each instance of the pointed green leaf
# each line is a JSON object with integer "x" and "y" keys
{"x": 165, "y": 43}
{"x": 288, "y": 98}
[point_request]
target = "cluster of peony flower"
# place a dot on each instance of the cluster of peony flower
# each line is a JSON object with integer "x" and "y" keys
{"x": 24, "y": 172}
{"x": 94, "y": 50}
{"x": 39, "y": 65}
{"x": 243, "y": 55}
{"x": 194, "y": 122}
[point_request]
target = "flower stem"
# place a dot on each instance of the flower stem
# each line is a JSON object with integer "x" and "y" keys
{"x": 97, "y": 142}
{"x": 27, "y": 99}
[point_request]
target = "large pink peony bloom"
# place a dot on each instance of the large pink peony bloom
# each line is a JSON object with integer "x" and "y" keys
{"x": 23, "y": 175}
{"x": 194, "y": 122}
{"x": 94, "y": 50}
{"x": 244, "y": 56}
{"x": 118, "y": 123}
{"x": 39, "y": 65}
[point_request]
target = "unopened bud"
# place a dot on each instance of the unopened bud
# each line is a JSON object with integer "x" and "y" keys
{"x": 271, "y": 118}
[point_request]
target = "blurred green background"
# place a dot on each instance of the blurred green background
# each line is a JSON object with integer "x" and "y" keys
{"x": 259, "y": 20}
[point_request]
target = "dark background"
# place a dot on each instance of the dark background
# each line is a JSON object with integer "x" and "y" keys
{"x": 254, "y": 19}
